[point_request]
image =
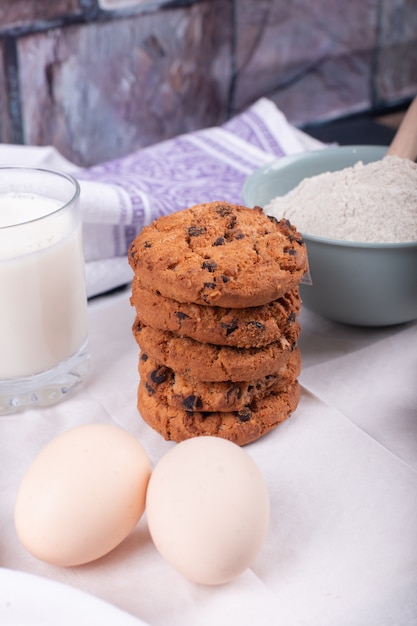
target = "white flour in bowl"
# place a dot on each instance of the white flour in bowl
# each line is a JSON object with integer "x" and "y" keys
{"x": 375, "y": 203}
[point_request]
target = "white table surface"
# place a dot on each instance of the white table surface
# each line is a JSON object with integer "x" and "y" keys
{"x": 342, "y": 543}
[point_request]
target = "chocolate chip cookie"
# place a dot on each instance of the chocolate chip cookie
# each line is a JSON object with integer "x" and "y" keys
{"x": 192, "y": 394}
{"x": 241, "y": 427}
{"x": 244, "y": 328}
{"x": 209, "y": 362}
{"x": 219, "y": 254}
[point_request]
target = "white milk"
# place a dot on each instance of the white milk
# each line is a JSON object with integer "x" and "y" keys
{"x": 43, "y": 312}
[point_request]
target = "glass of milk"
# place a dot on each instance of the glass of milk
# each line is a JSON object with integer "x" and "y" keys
{"x": 43, "y": 304}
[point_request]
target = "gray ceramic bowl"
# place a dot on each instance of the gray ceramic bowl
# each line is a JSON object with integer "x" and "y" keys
{"x": 352, "y": 283}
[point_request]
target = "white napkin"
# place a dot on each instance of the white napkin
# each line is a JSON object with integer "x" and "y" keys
{"x": 119, "y": 197}
{"x": 341, "y": 547}
{"x": 374, "y": 382}
{"x": 32, "y": 600}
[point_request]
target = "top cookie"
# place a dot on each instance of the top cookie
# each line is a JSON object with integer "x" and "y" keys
{"x": 219, "y": 254}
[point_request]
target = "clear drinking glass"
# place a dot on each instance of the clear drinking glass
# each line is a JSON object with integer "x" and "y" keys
{"x": 43, "y": 304}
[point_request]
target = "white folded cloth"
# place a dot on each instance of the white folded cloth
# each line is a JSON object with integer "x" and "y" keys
{"x": 120, "y": 196}
{"x": 341, "y": 547}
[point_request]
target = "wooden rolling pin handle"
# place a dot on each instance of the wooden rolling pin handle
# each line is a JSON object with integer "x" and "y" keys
{"x": 404, "y": 144}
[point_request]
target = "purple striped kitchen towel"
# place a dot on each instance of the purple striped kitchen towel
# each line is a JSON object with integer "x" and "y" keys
{"x": 210, "y": 164}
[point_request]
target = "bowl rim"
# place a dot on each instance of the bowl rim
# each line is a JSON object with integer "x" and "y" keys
{"x": 279, "y": 163}
{"x": 348, "y": 243}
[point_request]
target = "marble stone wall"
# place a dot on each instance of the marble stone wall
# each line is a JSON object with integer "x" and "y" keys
{"x": 101, "y": 78}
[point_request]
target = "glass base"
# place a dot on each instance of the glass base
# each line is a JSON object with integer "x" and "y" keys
{"x": 46, "y": 388}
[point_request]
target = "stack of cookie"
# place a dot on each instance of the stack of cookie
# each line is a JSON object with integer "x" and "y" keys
{"x": 215, "y": 290}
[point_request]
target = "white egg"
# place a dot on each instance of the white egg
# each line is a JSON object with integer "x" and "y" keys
{"x": 82, "y": 494}
{"x": 208, "y": 509}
